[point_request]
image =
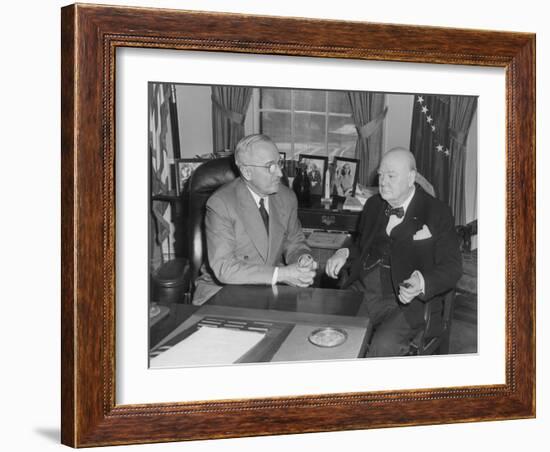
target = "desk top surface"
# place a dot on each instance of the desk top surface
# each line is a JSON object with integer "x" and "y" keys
{"x": 291, "y": 299}
{"x": 305, "y": 308}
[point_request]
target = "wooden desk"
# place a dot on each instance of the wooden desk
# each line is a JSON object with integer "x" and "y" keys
{"x": 334, "y": 218}
{"x": 291, "y": 314}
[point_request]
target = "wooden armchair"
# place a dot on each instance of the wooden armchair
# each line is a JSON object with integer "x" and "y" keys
{"x": 434, "y": 338}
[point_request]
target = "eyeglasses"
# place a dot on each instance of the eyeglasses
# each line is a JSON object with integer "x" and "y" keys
{"x": 271, "y": 167}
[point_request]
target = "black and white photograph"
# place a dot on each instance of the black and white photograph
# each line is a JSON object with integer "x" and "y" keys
{"x": 108, "y": 245}
{"x": 282, "y": 159}
{"x": 315, "y": 168}
{"x": 345, "y": 176}
{"x": 229, "y": 255}
{"x": 184, "y": 168}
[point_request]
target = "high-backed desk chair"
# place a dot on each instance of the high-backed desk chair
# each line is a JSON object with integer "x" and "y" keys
{"x": 206, "y": 179}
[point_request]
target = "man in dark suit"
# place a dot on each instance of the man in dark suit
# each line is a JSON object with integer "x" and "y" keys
{"x": 406, "y": 253}
{"x": 253, "y": 233}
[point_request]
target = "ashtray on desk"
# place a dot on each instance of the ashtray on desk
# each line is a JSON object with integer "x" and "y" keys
{"x": 328, "y": 337}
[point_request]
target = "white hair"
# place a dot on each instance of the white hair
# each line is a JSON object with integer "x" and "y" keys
{"x": 246, "y": 145}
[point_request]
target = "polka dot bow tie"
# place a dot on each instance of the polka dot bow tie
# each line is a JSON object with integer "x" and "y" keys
{"x": 399, "y": 212}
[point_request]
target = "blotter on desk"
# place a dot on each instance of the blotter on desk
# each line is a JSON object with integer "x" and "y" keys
{"x": 209, "y": 346}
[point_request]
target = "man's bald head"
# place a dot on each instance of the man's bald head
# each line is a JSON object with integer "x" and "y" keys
{"x": 402, "y": 154}
{"x": 396, "y": 175}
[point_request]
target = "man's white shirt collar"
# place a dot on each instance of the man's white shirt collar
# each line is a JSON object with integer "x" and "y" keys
{"x": 405, "y": 205}
{"x": 394, "y": 220}
{"x": 258, "y": 197}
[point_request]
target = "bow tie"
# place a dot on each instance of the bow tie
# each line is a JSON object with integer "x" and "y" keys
{"x": 399, "y": 212}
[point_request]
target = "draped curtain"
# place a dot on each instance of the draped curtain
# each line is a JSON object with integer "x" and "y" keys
{"x": 229, "y": 105}
{"x": 462, "y": 111}
{"x": 439, "y": 131}
{"x": 368, "y": 114}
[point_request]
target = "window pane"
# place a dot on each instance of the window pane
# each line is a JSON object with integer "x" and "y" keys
{"x": 275, "y": 99}
{"x": 277, "y": 127}
{"x": 338, "y": 102}
{"x": 309, "y": 134}
{"x": 342, "y": 137}
{"x": 309, "y": 100}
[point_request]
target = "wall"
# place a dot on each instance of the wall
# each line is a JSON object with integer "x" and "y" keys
{"x": 470, "y": 180}
{"x": 397, "y": 127}
{"x": 30, "y": 391}
{"x": 194, "y": 119}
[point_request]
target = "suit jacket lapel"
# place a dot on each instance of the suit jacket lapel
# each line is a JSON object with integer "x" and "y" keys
{"x": 251, "y": 217}
{"x": 276, "y": 228}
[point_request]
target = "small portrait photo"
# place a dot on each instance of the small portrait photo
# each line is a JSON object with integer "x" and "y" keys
{"x": 282, "y": 160}
{"x": 184, "y": 168}
{"x": 316, "y": 167}
{"x": 345, "y": 176}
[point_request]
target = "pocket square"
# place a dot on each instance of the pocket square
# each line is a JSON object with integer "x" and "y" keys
{"x": 422, "y": 234}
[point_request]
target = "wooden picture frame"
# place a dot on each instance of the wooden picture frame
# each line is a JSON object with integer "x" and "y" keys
{"x": 345, "y": 191}
{"x": 317, "y": 176}
{"x": 91, "y": 34}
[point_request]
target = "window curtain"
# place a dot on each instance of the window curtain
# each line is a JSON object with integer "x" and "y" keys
{"x": 368, "y": 113}
{"x": 462, "y": 110}
{"x": 229, "y": 105}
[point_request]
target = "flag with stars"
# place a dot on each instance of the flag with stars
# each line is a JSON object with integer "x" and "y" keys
{"x": 430, "y": 140}
{"x": 159, "y": 95}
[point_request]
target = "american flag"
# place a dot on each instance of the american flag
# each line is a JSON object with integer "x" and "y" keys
{"x": 159, "y": 94}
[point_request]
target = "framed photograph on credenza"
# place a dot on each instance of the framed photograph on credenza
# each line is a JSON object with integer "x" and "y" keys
{"x": 344, "y": 181}
{"x": 316, "y": 168}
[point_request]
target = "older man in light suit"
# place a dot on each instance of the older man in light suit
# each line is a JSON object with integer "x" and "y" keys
{"x": 253, "y": 233}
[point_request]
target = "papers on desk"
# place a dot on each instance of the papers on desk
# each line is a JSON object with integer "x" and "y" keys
{"x": 363, "y": 193}
{"x": 353, "y": 204}
{"x": 327, "y": 240}
{"x": 209, "y": 346}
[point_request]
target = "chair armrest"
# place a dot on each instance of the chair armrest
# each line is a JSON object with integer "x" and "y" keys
{"x": 427, "y": 341}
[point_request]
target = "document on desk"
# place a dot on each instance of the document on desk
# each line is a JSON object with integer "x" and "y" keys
{"x": 209, "y": 346}
{"x": 329, "y": 240}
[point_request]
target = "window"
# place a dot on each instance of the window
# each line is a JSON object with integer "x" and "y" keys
{"x": 308, "y": 121}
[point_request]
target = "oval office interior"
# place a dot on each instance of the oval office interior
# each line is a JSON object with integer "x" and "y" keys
{"x": 262, "y": 323}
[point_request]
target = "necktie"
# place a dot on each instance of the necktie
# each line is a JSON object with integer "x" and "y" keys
{"x": 399, "y": 212}
{"x": 264, "y": 214}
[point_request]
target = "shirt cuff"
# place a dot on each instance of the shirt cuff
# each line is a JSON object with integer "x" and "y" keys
{"x": 275, "y": 275}
{"x": 421, "y": 278}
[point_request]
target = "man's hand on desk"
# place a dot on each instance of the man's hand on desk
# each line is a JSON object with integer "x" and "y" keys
{"x": 336, "y": 262}
{"x": 296, "y": 275}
